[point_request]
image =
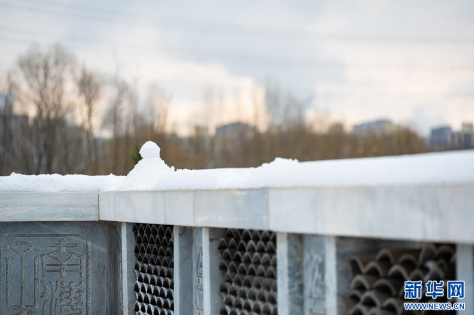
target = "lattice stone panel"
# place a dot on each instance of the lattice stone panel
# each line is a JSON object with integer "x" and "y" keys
{"x": 377, "y": 286}
{"x": 249, "y": 267}
{"x": 154, "y": 269}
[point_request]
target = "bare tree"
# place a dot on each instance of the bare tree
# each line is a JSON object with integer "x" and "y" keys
{"x": 131, "y": 118}
{"x": 283, "y": 108}
{"x": 159, "y": 102}
{"x": 114, "y": 120}
{"x": 89, "y": 90}
{"x": 45, "y": 75}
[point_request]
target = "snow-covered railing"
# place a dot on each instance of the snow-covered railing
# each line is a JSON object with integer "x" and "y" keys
{"x": 321, "y": 213}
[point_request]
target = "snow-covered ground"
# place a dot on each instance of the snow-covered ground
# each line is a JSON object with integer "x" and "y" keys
{"x": 151, "y": 173}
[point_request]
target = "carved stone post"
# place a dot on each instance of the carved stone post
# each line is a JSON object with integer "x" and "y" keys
{"x": 212, "y": 277}
{"x": 290, "y": 274}
{"x": 183, "y": 270}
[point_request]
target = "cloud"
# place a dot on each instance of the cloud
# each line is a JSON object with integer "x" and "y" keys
{"x": 360, "y": 60}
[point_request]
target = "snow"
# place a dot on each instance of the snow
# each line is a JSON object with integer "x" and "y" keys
{"x": 55, "y": 182}
{"x": 150, "y": 150}
{"x": 152, "y": 173}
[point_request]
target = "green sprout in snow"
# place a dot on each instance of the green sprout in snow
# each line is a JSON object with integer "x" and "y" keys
{"x": 135, "y": 156}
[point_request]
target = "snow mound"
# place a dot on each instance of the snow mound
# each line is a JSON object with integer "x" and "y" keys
{"x": 148, "y": 171}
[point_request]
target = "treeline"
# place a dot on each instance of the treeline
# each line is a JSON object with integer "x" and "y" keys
{"x": 64, "y": 105}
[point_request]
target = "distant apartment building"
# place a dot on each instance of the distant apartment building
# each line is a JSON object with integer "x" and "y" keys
{"x": 440, "y": 137}
{"x": 8, "y": 120}
{"x": 10, "y": 123}
{"x": 378, "y": 126}
{"x": 463, "y": 139}
{"x": 444, "y": 138}
{"x": 6, "y": 102}
{"x": 234, "y": 131}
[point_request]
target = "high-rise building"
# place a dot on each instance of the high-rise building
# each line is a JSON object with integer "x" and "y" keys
{"x": 445, "y": 138}
{"x": 6, "y": 102}
{"x": 10, "y": 124}
{"x": 440, "y": 137}
{"x": 463, "y": 139}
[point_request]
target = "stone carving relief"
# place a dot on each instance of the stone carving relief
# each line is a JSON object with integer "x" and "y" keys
{"x": 59, "y": 262}
{"x": 314, "y": 265}
{"x": 198, "y": 299}
{"x": 23, "y": 249}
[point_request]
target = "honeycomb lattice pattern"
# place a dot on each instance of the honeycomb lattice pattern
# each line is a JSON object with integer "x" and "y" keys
{"x": 377, "y": 286}
{"x": 248, "y": 265}
{"x": 154, "y": 271}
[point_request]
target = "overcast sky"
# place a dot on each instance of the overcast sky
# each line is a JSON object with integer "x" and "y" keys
{"x": 409, "y": 61}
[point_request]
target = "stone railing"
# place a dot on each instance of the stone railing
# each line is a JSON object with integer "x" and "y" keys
{"x": 274, "y": 250}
